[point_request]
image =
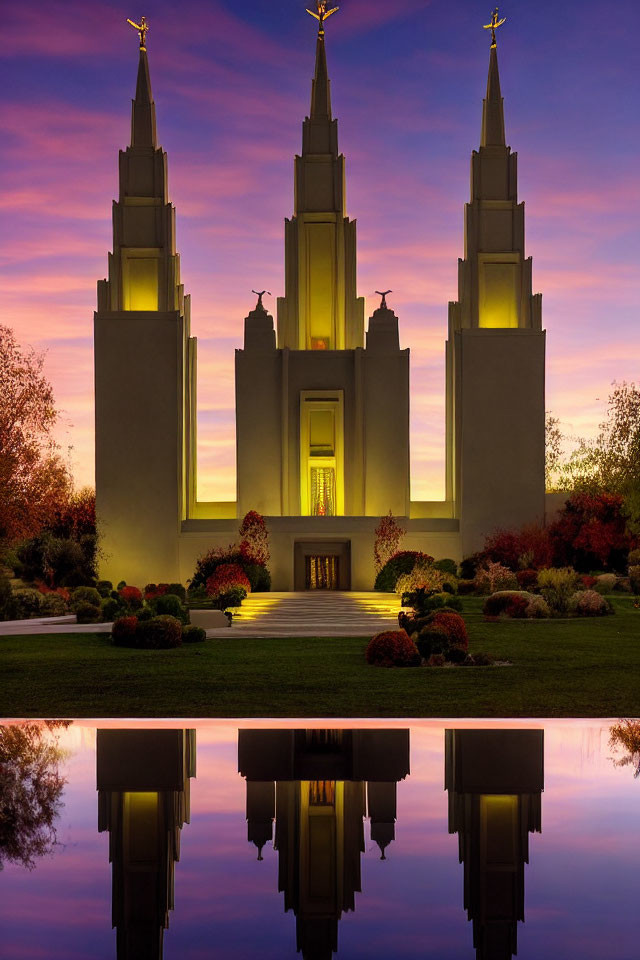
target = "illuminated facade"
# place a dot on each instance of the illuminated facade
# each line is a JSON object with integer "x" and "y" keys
{"x": 143, "y": 781}
{"x": 322, "y": 406}
{"x": 495, "y": 780}
{"x": 316, "y": 787}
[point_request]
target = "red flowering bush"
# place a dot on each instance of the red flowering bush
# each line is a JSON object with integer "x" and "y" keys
{"x": 254, "y": 539}
{"x": 454, "y": 626}
{"x": 393, "y": 648}
{"x": 123, "y": 631}
{"x": 57, "y": 591}
{"x": 388, "y": 533}
{"x": 153, "y": 590}
{"x": 531, "y": 547}
{"x": 132, "y": 597}
{"x": 591, "y": 533}
{"x": 227, "y": 577}
{"x": 517, "y": 608}
{"x": 588, "y": 581}
{"x": 590, "y": 603}
{"x": 527, "y": 578}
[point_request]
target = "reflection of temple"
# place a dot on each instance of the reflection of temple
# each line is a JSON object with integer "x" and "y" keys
{"x": 318, "y": 786}
{"x": 494, "y": 779}
{"x": 143, "y": 801}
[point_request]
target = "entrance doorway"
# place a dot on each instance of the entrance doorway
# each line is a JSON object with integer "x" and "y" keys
{"x": 322, "y": 565}
{"x": 321, "y": 572}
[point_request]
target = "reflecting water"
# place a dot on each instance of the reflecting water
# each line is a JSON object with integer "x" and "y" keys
{"x": 446, "y": 840}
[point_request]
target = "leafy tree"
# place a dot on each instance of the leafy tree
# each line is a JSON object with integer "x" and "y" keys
{"x": 388, "y": 533}
{"x": 626, "y": 734}
{"x": 553, "y": 450}
{"x": 33, "y": 477}
{"x": 30, "y": 790}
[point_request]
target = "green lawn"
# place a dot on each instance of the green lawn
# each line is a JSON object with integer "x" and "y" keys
{"x": 573, "y": 668}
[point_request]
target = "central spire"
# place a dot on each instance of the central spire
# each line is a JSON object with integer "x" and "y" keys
{"x": 143, "y": 110}
{"x": 493, "y": 107}
{"x": 321, "y": 85}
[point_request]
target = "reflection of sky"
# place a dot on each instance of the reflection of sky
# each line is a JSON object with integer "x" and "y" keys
{"x": 581, "y": 884}
{"x": 232, "y": 85}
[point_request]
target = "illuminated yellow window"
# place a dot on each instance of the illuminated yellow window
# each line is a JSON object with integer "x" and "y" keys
{"x": 498, "y": 295}
{"x": 140, "y": 283}
{"x": 321, "y": 454}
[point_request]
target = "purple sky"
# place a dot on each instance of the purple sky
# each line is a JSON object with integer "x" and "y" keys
{"x": 231, "y": 83}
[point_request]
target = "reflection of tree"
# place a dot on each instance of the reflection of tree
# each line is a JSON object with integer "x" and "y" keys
{"x": 625, "y": 734}
{"x": 30, "y": 790}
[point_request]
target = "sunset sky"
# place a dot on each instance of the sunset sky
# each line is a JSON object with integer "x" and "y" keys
{"x": 231, "y": 83}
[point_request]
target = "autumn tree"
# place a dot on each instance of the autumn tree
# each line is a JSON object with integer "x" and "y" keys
{"x": 33, "y": 476}
{"x": 30, "y": 790}
{"x": 388, "y": 533}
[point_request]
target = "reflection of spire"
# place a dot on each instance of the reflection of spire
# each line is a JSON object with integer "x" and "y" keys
{"x": 494, "y": 779}
{"x": 143, "y": 801}
{"x": 323, "y": 780}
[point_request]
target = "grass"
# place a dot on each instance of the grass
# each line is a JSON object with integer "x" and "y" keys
{"x": 562, "y": 668}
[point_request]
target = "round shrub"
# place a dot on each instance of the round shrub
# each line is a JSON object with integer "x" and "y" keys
{"x": 517, "y": 608}
{"x": 433, "y": 640}
{"x": 84, "y": 595}
{"x": 232, "y": 598}
{"x": 111, "y": 610}
{"x": 393, "y": 648}
{"x": 131, "y": 597}
{"x": 123, "y": 632}
{"x": 147, "y": 613}
{"x": 255, "y": 571}
{"x": 425, "y": 603}
{"x": 88, "y": 613}
{"x": 558, "y": 585}
{"x": 537, "y": 609}
{"x": 104, "y": 588}
{"x": 588, "y": 582}
{"x": 169, "y": 604}
{"x": 28, "y": 603}
{"x": 7, "y": 602}
{"x": 633, "y": 559}
{"x": 634, "y": 578}
{"x": 258, "y": 576}
{"x": 493, "y": 577}
{"x": 454, "y": 627}
{"x": 605, "y": 583}
{"x": 470, "y": 565}
{"x": 227, "y": 577}
{"x": 466, "y": 587}
{"x": 590, "y": 603}
{"x": 402, "y": 562}
{"x": 158, "y": 633}
{"x": 177, "y": 590}
{"x": 53, "y": 605}
{"x": 193, "y": 635}
{"x": 447, "y": 566}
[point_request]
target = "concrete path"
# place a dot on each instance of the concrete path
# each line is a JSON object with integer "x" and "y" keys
{"x": 310, "y": 614}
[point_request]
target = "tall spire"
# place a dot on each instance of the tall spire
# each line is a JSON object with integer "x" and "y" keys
{"x": 321, "y": 85}
{"x": 143, "y": 110}
{"x": 493, "y": 107}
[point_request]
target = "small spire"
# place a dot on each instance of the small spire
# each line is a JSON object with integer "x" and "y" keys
{"x": 493, "y": 107}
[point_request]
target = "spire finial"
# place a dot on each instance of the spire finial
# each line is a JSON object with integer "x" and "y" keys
{"x": 384, "y": 295}
{"x": 260, "y": 294}
{"x": 493, "y": 26}
{"x": 143, "y": 29}
{"x": 322, "y": 14}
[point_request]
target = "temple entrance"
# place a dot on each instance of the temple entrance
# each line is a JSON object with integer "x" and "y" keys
{"x": 321, "y": 572}
{"x": 322, "y": 565}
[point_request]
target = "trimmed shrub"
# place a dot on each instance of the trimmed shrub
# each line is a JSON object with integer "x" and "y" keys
{"x": 123, "y": 631}
{"x": 402, "y": 562}
{"x": 227, "y": 577}
{"x": 493, "y": 577}
{"x": 111, "y": 610}
{"x": 498, "y": 604}
{"x": 8, "y": 607}
{"x": 587, "y": 581}
{"x": 466, "y": 587}
{"x": 259, "y": 577}
{"x": 605, "y": 583}
{"x": 84, "y": 595}
{"x": 558, "y": 585}
{"x": 28, "y": 603}
{"x": 433, "y": 640}
{"x": 169, "y": 605}
{"x": 447, "y": 566}
{"x": 393, "y": 648}
{"x": 147, "y": 613}
{"x": 232, "y": 598}
{"x": 538, "y": 609}
{"x": 424, "y": 602}
{"x": 517, "y": 608}
{"x": 88, "y": 613}
{"x": 53, "y": 605}
{"x": 634, "y": 578}
{"x": 527, "y": 578}
{"x": 193, "y": 635}
{"x": 423, "y": 576}
{"x": 257, "y": 574}
{"x": 104, "y": 588}
{"x": 590, "y": 603}
{"x": 470, "y": 565}
{"x": 454, "y": 626}
{"x": 177, "y": 590}
{"x": 530, "y": 547}
{"x": 131, "y": 597}
{"x": 634, "y": 558}
{"x": 159, "y": 633}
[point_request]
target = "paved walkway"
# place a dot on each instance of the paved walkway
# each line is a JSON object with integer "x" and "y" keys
{"x": 310, "y": 614}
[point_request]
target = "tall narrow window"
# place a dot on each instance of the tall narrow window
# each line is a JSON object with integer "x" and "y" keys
{"x": 140, "y": 283}
{"x": 321, "y": 454}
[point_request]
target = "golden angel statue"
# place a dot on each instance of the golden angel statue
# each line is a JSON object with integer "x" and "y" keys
{"x": 142, "y": 29}
{"x": 322, "y": 13}
{"x": 493, "y": 26}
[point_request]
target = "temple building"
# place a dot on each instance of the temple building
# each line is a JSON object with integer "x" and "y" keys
{"x": 495, "y": 779}
{"x": 322, "y": 405}
{"x": 143, "y": 781}
{"x": 308, "y": 792}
